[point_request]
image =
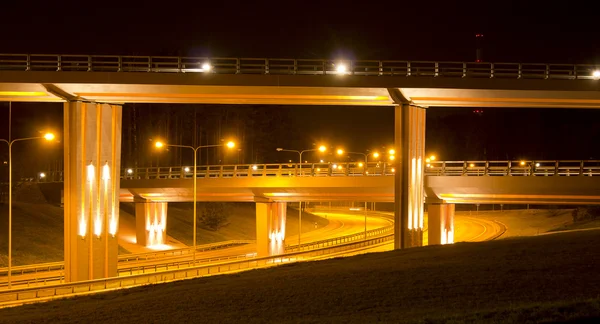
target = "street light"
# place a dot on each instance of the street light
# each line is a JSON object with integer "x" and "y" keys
{"x": 159, "y": 144}
{"x": 366, "y": 172}
{"x": 596, "y": 74}
{"x": 48, "y": 137}
{"x": 341, "y": 68}
{"x": 321, "y": 148}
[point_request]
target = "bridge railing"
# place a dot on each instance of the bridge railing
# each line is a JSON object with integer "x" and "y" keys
{"x": 433, "y": 168}
{"x": 514, "y": 168}
{"x": 282, "y": 66}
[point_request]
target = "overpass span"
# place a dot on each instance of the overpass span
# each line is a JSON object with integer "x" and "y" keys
{"x": 472, "y": 182}
{"x": 157, "y": 79}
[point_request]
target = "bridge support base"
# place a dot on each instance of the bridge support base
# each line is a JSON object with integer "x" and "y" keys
{"x": 440, "y": 223}
{"x": 150, "y": 223}
{"x": 92, "y": 137}
{"x": 270, "y": 228}
{"x": 408, "y": 185}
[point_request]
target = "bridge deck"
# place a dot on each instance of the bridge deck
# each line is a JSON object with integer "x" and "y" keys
{"x": 123, "y": 79}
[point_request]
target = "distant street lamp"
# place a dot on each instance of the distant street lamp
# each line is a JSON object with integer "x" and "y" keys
{"x": 48, "y": 137}
{"x": 321, "y": 148}
{"x": 365, "y": 172}
{"x": 159, "y": 144}
{"x": 430, "y": 159}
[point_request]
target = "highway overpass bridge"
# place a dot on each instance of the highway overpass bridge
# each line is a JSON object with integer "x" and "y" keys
{"x": 93, "y": 88}
{"x": 446, "y": 183}
{"x": 470, "y": 182}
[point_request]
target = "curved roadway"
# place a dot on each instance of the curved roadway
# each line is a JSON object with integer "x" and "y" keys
{"x": 468, "y": 229}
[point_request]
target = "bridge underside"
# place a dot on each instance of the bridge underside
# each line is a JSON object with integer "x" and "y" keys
{"x": 115, "y": 87}
{"x": 513, "y": 190}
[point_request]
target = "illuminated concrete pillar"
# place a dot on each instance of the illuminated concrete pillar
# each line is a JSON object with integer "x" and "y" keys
{"x": 92, "y": 148}
{"x": 270, "y": 228}
{"x": 440, "y": 222}
{"x": 150, "y": 222}
{"x": 408, "y": 186}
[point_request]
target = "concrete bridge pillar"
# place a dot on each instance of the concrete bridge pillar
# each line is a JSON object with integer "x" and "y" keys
{"x": 408, "y": 185}
{"x": 92, "y": 148}
{"x": 440, "y": 223}
{"x": 270, "y": 228}
{"x": 150, "y": 222}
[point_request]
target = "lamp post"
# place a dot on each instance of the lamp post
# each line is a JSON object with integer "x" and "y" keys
{"x": 229, "y": 144}
{"x": 48, "y": 137}
{"x": 321, "y": 148}
{"x": 366, "y": 156}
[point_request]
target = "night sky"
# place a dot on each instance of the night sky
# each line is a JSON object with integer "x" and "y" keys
{"x": 514, "y": 31}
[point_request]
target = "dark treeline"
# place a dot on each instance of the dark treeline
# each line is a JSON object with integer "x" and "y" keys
{"x": 257, "y": 130}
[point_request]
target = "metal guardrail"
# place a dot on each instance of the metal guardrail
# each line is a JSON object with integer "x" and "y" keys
{"x": 34, "y": 268}
{"x": 219, "y": 65}
{"x": 173, "y": 264}
{"x": 27, "y": 295}
{"x": 434, "y": 168}
{"x": 59, "y": 265}
{"x": 340, "y": 240}
{"x": 515, "y": 168}
{"x": 180, "y": 252}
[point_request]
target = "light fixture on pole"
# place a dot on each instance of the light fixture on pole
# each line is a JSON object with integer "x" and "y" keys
{"x": 321, "y": 148}
{"x": 365, "y": 172}
{"x": 48, "y": 137}
{"x": 159, "y": 144}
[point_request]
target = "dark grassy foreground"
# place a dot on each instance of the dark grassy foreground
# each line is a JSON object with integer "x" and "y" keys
{"x": 537, "y": 279}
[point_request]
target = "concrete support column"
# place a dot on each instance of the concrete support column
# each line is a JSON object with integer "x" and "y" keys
{"x": 92, "y": 148}
{"x": 409, "y": 139}
{"x": 440, "y": 223}
{"x": 270, "y": 228}
{"x": 150, "y": 222}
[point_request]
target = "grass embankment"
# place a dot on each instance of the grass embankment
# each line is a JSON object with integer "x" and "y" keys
{"x": 241, "y": 224}
{"x": 518, "y": 280}
{"x": 526, "y": 222}
{"x": 37, "y": 233}
{"x": 585, "y": 224}
{"x": 38, "y": 229}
